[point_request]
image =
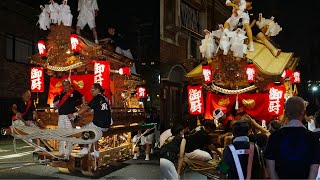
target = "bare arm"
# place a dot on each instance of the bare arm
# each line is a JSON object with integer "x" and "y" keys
{"x": 260, "y": 128}
{"x": 253, "y": 23}
{"x": 181, "y": 155}
{"x": 81, "y": 111}
{"x": 271, "y": 169}
{"x": 104, "y": 39}
{"x": 35, "y": 115}
{"x": 213, "y": 148}
{"x": 14, "y": 109}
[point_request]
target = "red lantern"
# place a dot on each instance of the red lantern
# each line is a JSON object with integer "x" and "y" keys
{"x": 195, "y": 100}
{"x": 74, "y": 43}
{"x": 286, "y": 74}
{"x": 125, "y": 71}
{"x": 207, "y": 74}
{"x": 141, "y": 92}
{"x": 276, "y": 100}
{"x": 37, "y": 79}
{"x": 42, "y": 48}
{"x": 295, "y": 78}
{"x": 251, "y": 73}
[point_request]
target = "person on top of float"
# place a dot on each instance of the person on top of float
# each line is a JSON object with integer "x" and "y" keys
{"x": 66, "y": 103}
{"x": 256, "y": 31}
{"x": 102, "y": 119}
{"x": 238, "y": 12}
{"x": 88, "y": 10}
{"x": 25, "y": 113}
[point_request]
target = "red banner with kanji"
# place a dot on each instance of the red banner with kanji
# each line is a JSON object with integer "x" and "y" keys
{"x": 102, "y": 76}
{"x": 37, "y": 79}
{"x": 276, "y": 99}
{"x": 195, "y": 100}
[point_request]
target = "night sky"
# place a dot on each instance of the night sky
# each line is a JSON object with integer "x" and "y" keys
{"x": 300, "y": 34}
{"x": 125, "y": 16}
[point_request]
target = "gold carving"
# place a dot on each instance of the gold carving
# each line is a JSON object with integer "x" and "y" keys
{"x": 59, "y": 84}
{"x": 249, "y": 103}
{"x": 224, "y": 102}
{"x": 79, "y": 84}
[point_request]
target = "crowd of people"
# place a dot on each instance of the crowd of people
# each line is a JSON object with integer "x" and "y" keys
{"x": 285, "y": 149}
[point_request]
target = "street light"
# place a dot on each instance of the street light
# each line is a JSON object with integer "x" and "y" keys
{"x": 314, "y": 88}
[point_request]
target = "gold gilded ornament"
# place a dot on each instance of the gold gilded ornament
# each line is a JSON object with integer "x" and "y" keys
{"x": 79, "y": 84}
{"x": 224, "y": 102}
{"x": 59, "y": 84}
{"x": 249, "y": 103}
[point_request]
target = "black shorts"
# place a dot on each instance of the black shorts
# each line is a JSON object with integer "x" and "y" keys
{"x": 255, "y": 30}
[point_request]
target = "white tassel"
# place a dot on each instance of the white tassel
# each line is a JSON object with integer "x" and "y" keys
{"x": 237, "y": 103}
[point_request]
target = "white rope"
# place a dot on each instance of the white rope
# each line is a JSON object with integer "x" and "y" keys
{"x": 61, "y": 134}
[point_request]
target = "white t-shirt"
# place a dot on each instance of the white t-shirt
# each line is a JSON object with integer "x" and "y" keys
{"x": 311, "y": 125}
{"x": 164, "y": 136}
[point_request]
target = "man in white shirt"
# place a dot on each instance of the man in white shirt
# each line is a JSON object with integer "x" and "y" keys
{"x": 88, "y": 10}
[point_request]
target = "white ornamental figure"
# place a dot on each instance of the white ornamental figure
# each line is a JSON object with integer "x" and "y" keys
{"x": 35, "y": 79}
{"x": 65, "y": 15}
{"x": 208, "y": 45}
{"x": 44, "y": 19}
{"x": 273, "y": 28}
{"x": 237, "y": 43}
{"x": 54, "y": 9}
{"x": 195, "y": 101}
{"x": 98, "y": 70}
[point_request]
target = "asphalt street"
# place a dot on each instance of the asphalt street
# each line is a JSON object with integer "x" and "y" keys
{"x": 20, "y": 165}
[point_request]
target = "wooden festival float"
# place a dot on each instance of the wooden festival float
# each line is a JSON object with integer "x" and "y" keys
{"x": 66, "y": 55}
{"x": 258, "y": 82}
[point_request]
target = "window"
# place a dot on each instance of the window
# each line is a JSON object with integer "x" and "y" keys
{"x": 193, "y": 47}
{"x": 19, "y": 49}
{"x": 189, "y": 17}
{"x": 169, "y": 12}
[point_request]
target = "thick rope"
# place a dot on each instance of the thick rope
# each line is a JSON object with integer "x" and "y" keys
{"x": 61, "y": 134}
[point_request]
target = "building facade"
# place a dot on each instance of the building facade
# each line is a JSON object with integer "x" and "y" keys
{"x": 182, "y": 25}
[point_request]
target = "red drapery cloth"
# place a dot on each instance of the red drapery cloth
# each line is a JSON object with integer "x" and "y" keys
{"x": 81, "y": 83}
{"x": 256, "y": 105}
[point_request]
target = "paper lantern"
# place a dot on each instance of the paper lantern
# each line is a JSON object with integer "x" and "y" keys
{"x": 141, "y": 92}
{"x": 42, "y": 49}
{"x": 37, "y": 79}
{"x": 207, "y": 74}
{"x": 74, "y": 43}
{"x": 286, "y": 74}
{"x": 125, "y": 71}
{"x": 195, "y": 100}
{"x": 295, "y": 78}
{"x": 251, "y": 73}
